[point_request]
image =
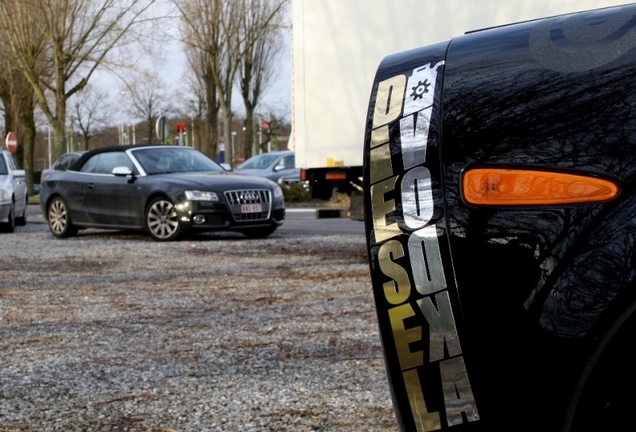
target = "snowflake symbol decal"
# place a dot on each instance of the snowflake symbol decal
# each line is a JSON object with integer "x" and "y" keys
{"x": 420, "y": 89}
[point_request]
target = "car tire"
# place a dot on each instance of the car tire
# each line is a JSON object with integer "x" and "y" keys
{"x": 9, "y": 226}
{"x": 256, "y": 233}
{"x": 22, "y": 220}
{"x": 162, "y": 221}
{"x": 59, "y": 219}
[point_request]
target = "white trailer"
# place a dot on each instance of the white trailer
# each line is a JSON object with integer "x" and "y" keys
{"x": 337, "y": 46}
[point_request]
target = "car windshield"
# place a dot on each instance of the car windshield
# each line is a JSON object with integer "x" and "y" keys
{"x": 3, "y": 166}
{"x": 169, "y": 160}
{"x": 258, "y": 162}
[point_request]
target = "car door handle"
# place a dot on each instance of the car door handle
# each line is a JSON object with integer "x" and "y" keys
{"x": 91, "y": 185}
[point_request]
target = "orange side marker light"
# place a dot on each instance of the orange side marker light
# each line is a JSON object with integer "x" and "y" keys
{"x": 510, "y": 187}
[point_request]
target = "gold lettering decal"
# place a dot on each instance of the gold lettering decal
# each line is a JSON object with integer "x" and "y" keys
{"x": 396, "y": 291}
{"x": 388, "y": 103}
{"x": 379, "y": 136}
{"x": 442, "y": 326}
{"x": 402, "y": 116}
{"x": 458, "y": 395}
{"x": 424, "y": 421}
{"x": 381, "y": 166}
{"x": 426, "y": 261}
{"x": 403, "y": 337}
{"x": 381, "y": 209}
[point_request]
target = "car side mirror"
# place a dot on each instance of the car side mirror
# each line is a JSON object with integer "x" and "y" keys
{"x": 122, "y": 171}
{"x": 19, "y": 173}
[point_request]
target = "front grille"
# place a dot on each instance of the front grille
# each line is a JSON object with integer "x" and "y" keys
{"x": 243, "y": 202}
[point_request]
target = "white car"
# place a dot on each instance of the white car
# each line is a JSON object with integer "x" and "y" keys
{"x": 13, "y": 192}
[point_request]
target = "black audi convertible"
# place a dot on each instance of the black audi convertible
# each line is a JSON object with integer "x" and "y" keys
{"x": 500, "y": 197}
{"x": 164, "y": 190}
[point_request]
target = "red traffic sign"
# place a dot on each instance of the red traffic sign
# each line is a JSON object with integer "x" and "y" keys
{"x": 12, "y": 142}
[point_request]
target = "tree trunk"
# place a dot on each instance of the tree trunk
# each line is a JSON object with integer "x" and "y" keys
{"x": 248, "y": 125}
{"x": 150, "y": 127}
{"x": 59, "y": 127}
{"x": 28, "y": 124}
{"x": 227, "y": 137}
{"x": 210, "y": 147}
{"x": 8, "y": 109}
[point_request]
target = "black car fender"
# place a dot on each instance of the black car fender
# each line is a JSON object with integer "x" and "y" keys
{"x": 504, "y": 316}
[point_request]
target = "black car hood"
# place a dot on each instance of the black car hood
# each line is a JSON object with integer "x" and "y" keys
{"x": 212, "y": 180}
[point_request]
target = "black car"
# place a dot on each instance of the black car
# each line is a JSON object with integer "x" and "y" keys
{"x": 164, "y": 190}
{"x": 500, "y": 173}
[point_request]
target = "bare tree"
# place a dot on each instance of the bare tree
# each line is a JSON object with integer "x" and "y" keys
{"x": 202, "y": 32}
{"x": 91, "y": 112}
{"x": 262, "y": 37}
{"x": 146, "y": 97}
{"x": 79, "y": 36}
{"x": 19, "y": 104}
{"x": 214, "y": 27}
{"x": 17, "y": 95}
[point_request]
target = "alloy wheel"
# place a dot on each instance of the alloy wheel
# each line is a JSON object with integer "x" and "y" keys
{"x": 59, "y": 219}
{"x": 162, "y": 220}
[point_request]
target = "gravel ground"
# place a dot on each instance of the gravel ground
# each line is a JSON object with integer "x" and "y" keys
{"x": 115, "y": 332}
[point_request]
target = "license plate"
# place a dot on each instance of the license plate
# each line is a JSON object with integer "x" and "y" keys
{"x": 251, "y": 208}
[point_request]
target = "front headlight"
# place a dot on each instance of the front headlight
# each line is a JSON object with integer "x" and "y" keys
{"x": 4, "y": 195}
{"x": 201, "y": 196}
{"x": 278, "y": 192}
